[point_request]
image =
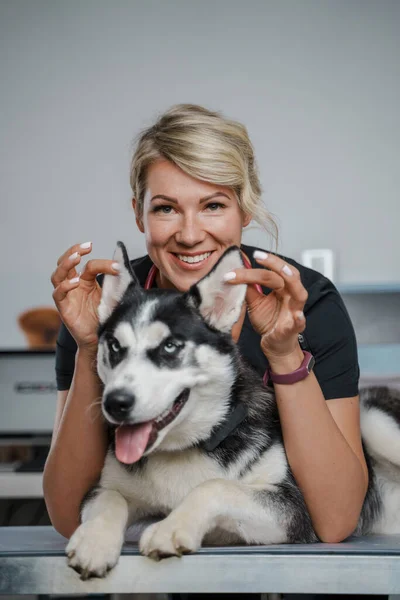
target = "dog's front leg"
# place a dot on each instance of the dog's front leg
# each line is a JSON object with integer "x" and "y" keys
{"x": 217, "y": 504}
{"x": 95, "y": 546}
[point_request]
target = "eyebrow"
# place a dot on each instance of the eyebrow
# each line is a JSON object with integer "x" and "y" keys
{"x": 175, "y": 201}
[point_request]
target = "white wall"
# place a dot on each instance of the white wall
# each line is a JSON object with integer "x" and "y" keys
{"x": 315, "y": 81}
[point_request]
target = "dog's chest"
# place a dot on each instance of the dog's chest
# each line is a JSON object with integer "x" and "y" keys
{"x": 164, "y": 480}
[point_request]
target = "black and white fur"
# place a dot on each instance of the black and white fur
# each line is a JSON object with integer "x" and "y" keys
{"x": 153, "y": 346}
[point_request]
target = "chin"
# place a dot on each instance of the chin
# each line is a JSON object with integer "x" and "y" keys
{"x": 184, "y": 283}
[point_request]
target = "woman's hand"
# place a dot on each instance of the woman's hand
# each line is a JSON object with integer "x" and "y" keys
{"x": 77, "y": 297}
{"x": 277, "y": 317}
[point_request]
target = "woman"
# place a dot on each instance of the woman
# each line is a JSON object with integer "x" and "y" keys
{"x": 195, "y": 187}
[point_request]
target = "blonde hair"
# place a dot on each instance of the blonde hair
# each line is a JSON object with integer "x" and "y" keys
{"x": 207, "y": 146}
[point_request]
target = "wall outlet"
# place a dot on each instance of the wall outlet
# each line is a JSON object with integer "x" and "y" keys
{"x": 320, "y": 260}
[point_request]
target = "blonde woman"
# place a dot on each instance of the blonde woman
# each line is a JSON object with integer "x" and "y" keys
{"x": 195, "y": 187}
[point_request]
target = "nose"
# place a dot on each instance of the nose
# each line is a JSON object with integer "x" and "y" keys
{"x": 191, "y": 232}
{"x": 118, "y": 404}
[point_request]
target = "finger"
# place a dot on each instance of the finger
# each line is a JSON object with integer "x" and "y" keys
{"x": 253, "y": 297}
{"x": 296, "y": 318}
{"x": 300, "y": 321}
{"x": 288, "y": 323}
{"x": 294, "y": 329}
{"x": 253, "y": 277}
{"x": 82, "y": 249}
{"x": 96, "y": 266}
{"x": 61, "y": 291}
{"x": 289, "y": 274}
{"x": 66, "y": 269}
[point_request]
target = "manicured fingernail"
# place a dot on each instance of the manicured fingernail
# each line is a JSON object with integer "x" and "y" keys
{"x": 300, "y": 316}
{"x": 287, "y": 271}
{"x": 229, "y": 276}
{"x": 116, "y": 266}
{"x": 74, "y": 256}
{"x": 74, "y": 280}
{"x": 86, "y": 245}
{"x": 260, "y": 255}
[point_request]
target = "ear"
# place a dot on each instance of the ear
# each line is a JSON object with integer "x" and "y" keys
{"x": 139, "y": 220}
{"x": 115, "y": 286}
{"x": 246, "y": 219}
{"x": 220, "y": 303}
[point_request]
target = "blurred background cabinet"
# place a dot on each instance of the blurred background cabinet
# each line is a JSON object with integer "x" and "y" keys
{"x": 375, "y": 312}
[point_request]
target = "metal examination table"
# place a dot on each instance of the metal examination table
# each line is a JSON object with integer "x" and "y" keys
{"x": 32, "y": 561}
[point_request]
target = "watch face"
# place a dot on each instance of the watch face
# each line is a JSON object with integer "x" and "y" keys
{"x": 311, "y": 364}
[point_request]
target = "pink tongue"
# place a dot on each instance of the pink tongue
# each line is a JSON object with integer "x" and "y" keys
{"x": 131, "y": 441}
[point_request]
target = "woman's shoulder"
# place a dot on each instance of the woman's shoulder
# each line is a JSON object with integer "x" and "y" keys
{"x": 141, "y": 267}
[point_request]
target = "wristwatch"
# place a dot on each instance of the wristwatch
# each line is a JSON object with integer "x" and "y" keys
{"x": 287, "y": 378}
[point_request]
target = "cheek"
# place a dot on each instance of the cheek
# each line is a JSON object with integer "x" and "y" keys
{"x": 227, "y": 229}
{"x": 157, "y": 233}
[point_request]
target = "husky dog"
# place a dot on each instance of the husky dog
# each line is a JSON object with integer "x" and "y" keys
{"x": 195, "y": 435}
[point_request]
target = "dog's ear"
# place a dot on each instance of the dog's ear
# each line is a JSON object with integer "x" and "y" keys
{"x": 115, "y": 286}
{"x": 220, "y": 303}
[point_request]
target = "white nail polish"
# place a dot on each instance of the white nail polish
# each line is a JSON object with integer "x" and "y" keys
{"x": 74, "y": 280}
{"x": 116, "y": 266}
{"x": 300, "y": 316}
{"x": 287, "y": 271}
{"x": 86, "y": 245}
{"x": 229, "y": 276}
{"x": 260, "y": 255}
{"x": 74, "y": 256}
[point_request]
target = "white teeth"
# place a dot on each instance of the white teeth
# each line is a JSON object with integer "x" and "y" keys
{"x": 193, "y": 259}
{"x": 163, "y": 415}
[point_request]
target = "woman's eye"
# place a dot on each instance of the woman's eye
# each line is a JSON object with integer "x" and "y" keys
{"x": 214, "y": 206}
{"x": 164, "y": 209}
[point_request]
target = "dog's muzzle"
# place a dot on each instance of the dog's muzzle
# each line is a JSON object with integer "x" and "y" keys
{"x": 118, "y": 404}
{"x": 132, "y": 440}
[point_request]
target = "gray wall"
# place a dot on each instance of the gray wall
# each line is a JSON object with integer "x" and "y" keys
{"x": 315, "y": 81}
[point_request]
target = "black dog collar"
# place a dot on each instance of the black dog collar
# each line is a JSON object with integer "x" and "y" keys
{"x": 225, "y": 428}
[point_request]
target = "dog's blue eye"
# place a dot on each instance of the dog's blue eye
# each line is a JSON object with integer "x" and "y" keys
{"x": 114, "y": 345}
{"x": 170, "y": 347}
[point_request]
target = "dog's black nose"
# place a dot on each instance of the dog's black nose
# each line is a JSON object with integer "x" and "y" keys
{"x": 118, "y": 404}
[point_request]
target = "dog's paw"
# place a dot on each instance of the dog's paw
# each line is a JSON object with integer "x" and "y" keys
{"x": 93, "y": 549}
{"x": 170, "y": 537}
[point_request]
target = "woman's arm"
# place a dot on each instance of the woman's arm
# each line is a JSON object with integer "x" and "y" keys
{"x": 79, "y": 440}
{"x": 323, "y": 445}
{"x": 78, "y": 446}
{"x": 322, "y": 438}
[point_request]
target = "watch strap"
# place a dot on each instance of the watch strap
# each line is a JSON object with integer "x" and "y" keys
{"x": 298, "y": 375}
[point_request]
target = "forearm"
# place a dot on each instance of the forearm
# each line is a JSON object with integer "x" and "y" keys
{"x": 325, "y": 467}
{"x": 78, "y": 447}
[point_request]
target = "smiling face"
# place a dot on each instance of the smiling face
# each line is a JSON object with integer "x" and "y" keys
{"x": 188, "y": 224}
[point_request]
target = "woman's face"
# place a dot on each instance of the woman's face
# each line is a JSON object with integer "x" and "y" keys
{"x": 188, "y": 224}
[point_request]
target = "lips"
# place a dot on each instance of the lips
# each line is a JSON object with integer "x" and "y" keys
{"x": 192, "y": 261}
{"x": 170, "y": 414}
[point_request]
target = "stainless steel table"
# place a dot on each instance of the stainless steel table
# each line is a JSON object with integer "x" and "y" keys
{"x": 32, "y": 561}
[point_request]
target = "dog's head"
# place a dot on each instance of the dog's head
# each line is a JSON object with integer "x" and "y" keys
{"x": 165, "y": 357}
